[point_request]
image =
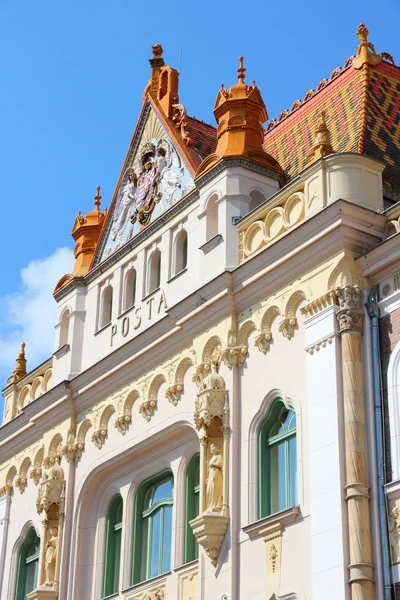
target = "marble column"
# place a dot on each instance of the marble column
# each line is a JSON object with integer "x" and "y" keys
{"x": 350, "y": 320}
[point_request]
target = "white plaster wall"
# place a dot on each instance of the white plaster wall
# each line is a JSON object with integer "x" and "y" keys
{"x": 279, "y": 373}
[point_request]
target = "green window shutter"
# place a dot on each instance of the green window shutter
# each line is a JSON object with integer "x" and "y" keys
{"x": 192, "y": 507}
{"x": 28, "y": 564}
{"x": 153, "y": 527}
{"x": 113, "y": 547}
{"x": 277, "y": 460}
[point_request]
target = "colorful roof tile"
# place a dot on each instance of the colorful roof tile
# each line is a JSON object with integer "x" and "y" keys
{"x": 203, "y": 135}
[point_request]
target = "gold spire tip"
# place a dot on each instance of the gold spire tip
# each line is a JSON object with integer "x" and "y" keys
{"x": 241, "y": 70}
{"x": 362, "y": 33}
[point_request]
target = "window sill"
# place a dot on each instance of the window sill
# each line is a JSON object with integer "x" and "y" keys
{"x": 126, "y": 311}
{"x": 61, "y": 351}
{"x": 102, "y": 328}
{"x": 211, "y": 243}
{"x": 114, "y": 595}
{"x": 147, "y": 296}
{"x": 177, "y": 275}
{"x": 190, "y": 565}
{"x": 144, "y": 585}
{"x": 284, "y": 517}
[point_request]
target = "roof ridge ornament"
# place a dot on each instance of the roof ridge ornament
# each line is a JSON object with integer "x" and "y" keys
{"x": 366, "y": 53}
{"x": 322, "y": 143}
{"x": 97, "y": 198}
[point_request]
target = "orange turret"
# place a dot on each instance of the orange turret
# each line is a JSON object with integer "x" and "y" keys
{"x": 240, "y": 113}
{"x": 86, "y": 231}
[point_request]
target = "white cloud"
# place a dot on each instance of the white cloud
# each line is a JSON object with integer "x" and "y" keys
{"x": 29, "y": 314}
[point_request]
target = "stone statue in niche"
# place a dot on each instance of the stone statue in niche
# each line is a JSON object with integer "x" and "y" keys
{"x": 395, "y": 534}
{"x": 51, "y": 556}
{"x": 214, "y": 481}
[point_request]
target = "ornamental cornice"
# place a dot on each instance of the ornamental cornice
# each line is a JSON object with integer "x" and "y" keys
{"x": 316, "y": 306}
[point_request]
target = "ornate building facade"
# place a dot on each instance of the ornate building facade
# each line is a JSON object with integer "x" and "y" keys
{"x": 220, "y": 417}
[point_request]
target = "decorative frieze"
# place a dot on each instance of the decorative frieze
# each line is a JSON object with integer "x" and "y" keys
{"x": 317, "y": 347}
{"x": 155, "y": 592}
{"x": 316, "y": 306}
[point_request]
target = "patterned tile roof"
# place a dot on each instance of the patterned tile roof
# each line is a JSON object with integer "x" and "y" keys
{"x": 203, "y": 135}
{"x": 362, "y": 113}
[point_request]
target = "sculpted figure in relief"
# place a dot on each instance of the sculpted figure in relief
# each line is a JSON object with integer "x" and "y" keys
{"x": 214, "y": 481}
{"x": 51, "y": 556}
{"x": 395, "y": 534}
{"x": 125, "y": 204}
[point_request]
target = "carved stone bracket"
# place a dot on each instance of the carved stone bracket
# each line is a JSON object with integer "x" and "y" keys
{"x": 287, "y": 327}
{"x": 349, "y": 315}
{"x": 20, "y": 483}
{"x": 173, "y": 393}
{"x": 210, "y": 530}
{"x": 122, "y": 423}
{"x": 272, "y": 537}
{"x": 99, "y": 437}
{"x": 73, "y": 451}
{"x": 146, "y": 409}
{"x": 263, "y": 341}
{"x": 200, "y": 374}
{"x": 6, "y": 490}
{"x": 35, "y": 475}
{"x": 235, "y": 355}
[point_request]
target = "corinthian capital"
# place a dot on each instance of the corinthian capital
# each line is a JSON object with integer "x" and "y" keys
{"x": 350, "y": 316}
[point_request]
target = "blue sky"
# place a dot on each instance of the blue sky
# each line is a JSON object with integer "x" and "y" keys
{"x": 73, "y": 74}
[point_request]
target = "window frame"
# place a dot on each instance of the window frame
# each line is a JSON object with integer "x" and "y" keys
{"x": 111, "y": 577}
{"x": 21, "y": 591}
{"x": 265, "y": 443}
{"x": 142, "y": 547}
{"x": 191, "y": 549}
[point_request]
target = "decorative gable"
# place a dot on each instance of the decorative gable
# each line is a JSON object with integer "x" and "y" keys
{"x": 155, "y": 177}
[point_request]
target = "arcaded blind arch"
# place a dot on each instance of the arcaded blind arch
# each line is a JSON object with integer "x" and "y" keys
{"x": 257, "y": 198}
{"x": 129, "y": 289}
{"x": 106, "y": 306}
{"x": 113, "y": 547}
{"x": 28, "y": 565}
{"x": 153, "y": 527}
{"x": 64, "y": 328}
{"x": 212, "y": 217}
{"x": 277, "y": 460}
{"x": 180, "y": 252}
{"x": 154, "y": 272}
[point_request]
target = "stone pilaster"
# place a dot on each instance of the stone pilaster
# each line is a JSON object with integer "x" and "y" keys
{"x": 350, "y": 320}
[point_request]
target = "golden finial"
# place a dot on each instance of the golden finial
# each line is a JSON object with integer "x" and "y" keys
{"x": 241, "y": 70}
{"x": 97, "y": 198}
{"x": 322, "y": 142}
{"x": 20, "y": 366}
{"x": 366, "y": 52}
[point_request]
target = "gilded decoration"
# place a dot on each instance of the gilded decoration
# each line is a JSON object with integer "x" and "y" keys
{"x": 20, "y": 366}
{"x": 154, "y": 180}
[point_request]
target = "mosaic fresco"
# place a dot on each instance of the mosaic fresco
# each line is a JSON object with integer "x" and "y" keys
{"x": 156, "y": 179}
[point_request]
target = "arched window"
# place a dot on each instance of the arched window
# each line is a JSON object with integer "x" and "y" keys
{"x": 212, "y": 217}
{"x": 277, "y": 460}
{"x": 64, "y": 328}
{"x": 154, "y": 274}
{"x": 180, "y": 254}
{"x": 192, "y": 507}
{"x": 257, "y": 198}
{"x": 153, "y": 527}
{"x": 106, "y": 306}
{"x": 130, "y": 289}
{"x": 113, "y": 547}
{"x": 28, "y": 565}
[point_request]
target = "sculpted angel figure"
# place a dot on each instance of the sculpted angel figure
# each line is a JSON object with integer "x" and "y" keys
{"x": 51, "y": 556}
{"x": 214, "y": 481}
{"x": 125, "y": 203}
{"x": 167, "y": 158}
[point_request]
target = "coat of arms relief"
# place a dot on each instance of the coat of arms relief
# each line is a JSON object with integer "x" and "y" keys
{"x": 156, "y": 179}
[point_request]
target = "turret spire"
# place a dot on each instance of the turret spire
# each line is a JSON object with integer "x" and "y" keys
{"x": 366, "y": 53}
{"x": 322, "y": 142}
{"x": 20, "y": 366}
{"x": 241, "y": 70}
